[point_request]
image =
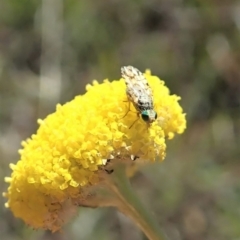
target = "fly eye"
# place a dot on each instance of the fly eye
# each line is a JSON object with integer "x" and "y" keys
{"x": 155, "y": 116}
{"x": 145, "y": 116}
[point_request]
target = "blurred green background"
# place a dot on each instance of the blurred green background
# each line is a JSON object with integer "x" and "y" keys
{"x": 49, "y": 51}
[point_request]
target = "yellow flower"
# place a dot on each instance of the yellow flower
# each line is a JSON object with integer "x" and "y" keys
{"x": 73, "y": 145}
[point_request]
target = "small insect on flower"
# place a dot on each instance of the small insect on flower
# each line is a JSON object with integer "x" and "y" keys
{"x": 139, "y": 93}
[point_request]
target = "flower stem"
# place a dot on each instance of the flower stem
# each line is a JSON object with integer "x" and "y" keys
{"x": 130, "y": 205}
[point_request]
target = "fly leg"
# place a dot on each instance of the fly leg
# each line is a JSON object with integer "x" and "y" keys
{"x": 127, "y": 110}
{"x": 138, "y": 116}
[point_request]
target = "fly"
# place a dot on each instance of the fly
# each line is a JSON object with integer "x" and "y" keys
{"x": 139, "y": 93}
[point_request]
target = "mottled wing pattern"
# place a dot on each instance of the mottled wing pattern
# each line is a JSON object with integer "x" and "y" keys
{"x": 138, "y": 90}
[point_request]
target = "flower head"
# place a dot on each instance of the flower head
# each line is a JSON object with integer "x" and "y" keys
{"x": 73, "y": 145}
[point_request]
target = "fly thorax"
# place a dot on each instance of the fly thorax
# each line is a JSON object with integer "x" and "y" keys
{"x": 145, "y": 103}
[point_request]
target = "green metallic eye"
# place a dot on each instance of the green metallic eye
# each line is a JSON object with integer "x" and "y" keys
{"x": 145, "y": 116}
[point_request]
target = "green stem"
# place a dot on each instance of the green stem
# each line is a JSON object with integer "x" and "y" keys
{"x": 131, "y": 206}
